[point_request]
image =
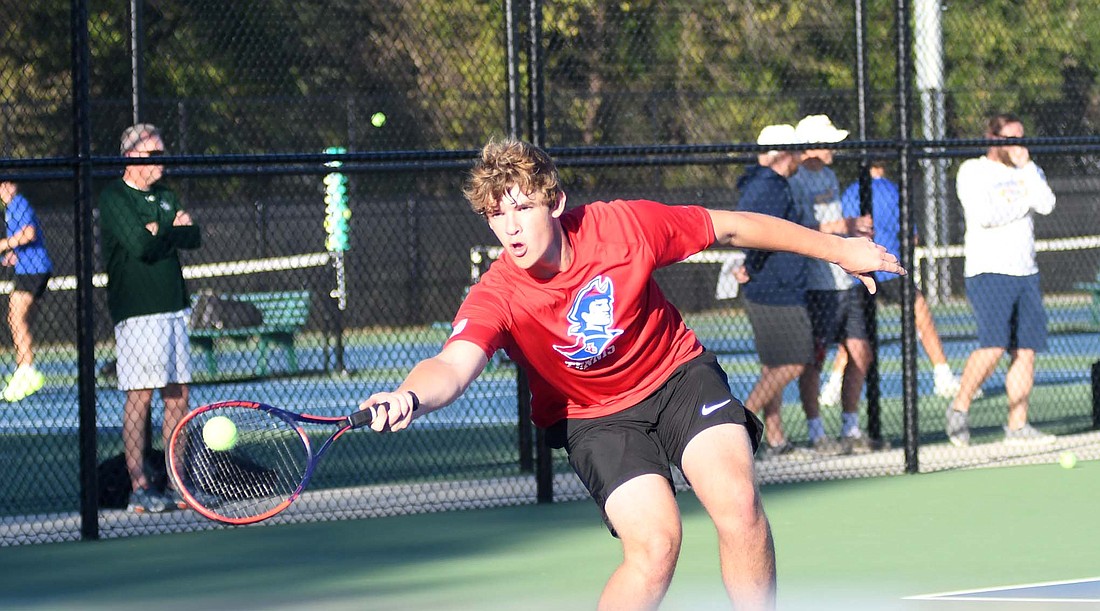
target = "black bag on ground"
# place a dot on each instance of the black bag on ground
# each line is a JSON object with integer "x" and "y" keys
{"x": 114, "y": 481}
{"x": 212, "y": 311}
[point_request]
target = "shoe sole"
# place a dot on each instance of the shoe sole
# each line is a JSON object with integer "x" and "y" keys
{"x": 958, "y": 443}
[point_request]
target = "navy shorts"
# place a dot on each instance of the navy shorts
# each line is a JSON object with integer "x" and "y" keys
{"x": 837, "y": 316}
{"x": 1009, "y": 311}
{"x": 35, "y": 284}
{"x": 607, "y": 452}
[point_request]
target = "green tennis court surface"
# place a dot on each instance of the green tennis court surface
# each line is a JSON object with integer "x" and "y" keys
{"x": 855, "y": 544}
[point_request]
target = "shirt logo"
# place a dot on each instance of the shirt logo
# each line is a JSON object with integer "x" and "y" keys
{"x": 707, "y": 410}
{"x": 459, "y": 326}
{"x": 592, "y": 322}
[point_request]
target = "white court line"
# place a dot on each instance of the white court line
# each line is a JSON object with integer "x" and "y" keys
{"x": 968, "y": 594}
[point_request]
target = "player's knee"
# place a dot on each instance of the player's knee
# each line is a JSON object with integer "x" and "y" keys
{"x": 655, "y": 554}
{"x": 742, "y": 513}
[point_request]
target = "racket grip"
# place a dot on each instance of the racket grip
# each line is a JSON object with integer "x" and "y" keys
{"x": 364, "y": 417}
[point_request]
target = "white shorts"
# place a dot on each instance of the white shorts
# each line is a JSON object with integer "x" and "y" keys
{"x": 153, "y": 351}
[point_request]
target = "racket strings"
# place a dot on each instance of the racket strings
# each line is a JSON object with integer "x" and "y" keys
{"x": 258, "y": 473}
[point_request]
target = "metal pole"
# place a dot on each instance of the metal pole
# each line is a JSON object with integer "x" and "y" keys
{"x": 930, "y": 73}
{"x": 1096, "y": 395}
{"x": 906, "y": 217}
{"x": 544, "y": 464}
{"x": 512, "y": 42}
{"x": 85, "y": 257}
{"x": 137, "y": 61}
{"x": 870, "y": 312}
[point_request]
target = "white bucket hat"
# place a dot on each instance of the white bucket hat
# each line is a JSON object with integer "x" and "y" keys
{"x": 774, "y": 135}
{"x": 819, "y": 128}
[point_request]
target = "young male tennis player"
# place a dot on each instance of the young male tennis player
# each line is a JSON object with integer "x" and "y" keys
{"x": 617, "y": 379}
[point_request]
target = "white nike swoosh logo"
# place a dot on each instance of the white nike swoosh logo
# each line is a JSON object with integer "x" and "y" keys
{"x": 707, "y": 410}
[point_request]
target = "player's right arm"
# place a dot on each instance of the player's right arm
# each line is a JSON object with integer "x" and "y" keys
{"x": 436, "y": 382}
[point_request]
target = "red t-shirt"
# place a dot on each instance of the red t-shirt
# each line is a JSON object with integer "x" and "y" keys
{"x": 600, "y": 336}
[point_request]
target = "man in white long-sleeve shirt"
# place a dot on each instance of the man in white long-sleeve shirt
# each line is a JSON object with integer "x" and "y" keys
{"x": 1000, "y": 193}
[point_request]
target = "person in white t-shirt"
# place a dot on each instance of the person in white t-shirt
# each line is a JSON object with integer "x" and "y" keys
{"x": 1000, "y": 193}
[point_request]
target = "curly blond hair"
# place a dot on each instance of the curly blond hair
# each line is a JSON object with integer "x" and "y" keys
{"x": 510, "y": 163}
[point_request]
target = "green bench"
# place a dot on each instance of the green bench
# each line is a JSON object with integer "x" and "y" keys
{"x": 1094, "y": 288}
{"x": 284, "y": 315}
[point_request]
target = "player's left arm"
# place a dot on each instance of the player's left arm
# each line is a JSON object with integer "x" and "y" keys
{"x": 858, "y": 256}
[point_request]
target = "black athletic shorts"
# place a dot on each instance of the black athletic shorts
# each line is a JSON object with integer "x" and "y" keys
{"x": 35, "y": 284}
{"x": 611, "y": 450}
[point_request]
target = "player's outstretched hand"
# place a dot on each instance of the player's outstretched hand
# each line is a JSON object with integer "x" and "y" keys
{"x": 861, "y": 256}
{"x": 392, "y": 411}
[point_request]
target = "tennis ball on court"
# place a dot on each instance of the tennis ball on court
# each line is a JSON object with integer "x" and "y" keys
{"x": 1068, "y": 460}
{"x": 219, "y": 433}
{"x": 378, "y": 119}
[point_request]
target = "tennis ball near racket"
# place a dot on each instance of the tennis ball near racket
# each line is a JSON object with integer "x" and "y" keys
{"x": 378, "y": 119}
{"x": 1068, "y": 460}
{"x": 219, "y": 433}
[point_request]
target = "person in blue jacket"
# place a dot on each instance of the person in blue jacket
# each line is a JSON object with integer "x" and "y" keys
{"x": 775, "y": 287}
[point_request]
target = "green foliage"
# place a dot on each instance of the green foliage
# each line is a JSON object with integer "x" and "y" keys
{"x": 235, "y": 77}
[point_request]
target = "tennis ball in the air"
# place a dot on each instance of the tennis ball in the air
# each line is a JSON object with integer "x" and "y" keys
{"x": 1068, "y": 460}
{"x": 219, "y": 433}
{"x": 378, "y": 119}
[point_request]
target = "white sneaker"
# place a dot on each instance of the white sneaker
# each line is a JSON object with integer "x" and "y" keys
{"x": 1027, "y": 435}
{"x": 830, "y": 393}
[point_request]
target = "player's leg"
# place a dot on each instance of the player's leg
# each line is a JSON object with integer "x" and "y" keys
{"x": 993, "y": 299}
{"x": 1018, "y": 384}
{"x": 831, "y": 391}
{"x": 19, "y": 307}
{"x": 784, "y": 343}
{"x": 711, "y": 437}
{"x": 926, "y": 330}
{"x": 175, "y": 398}
{"x": 141, "y": 358}
{"x": 1031, "y": 336}
{"x": 718, "y": 463}
{"x": 643, "y": 513}
{"x": 177, "y": 348}
{"x": 135, "y": 416}
{"x": 622, "y": 464}
{"x": 766, "y": 399}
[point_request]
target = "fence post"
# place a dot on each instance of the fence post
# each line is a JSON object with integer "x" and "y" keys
{"x": 1096, "y": 395}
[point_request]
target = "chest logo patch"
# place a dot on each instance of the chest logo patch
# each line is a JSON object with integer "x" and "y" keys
{"x": 591, "y": 321}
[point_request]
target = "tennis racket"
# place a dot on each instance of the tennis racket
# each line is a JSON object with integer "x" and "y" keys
{"x": 264, "y": 471}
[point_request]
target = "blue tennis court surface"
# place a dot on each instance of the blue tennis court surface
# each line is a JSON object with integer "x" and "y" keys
{"x": 1076, "y": 591}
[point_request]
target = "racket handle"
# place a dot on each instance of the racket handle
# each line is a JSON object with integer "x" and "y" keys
{"x": 364, "y": 417}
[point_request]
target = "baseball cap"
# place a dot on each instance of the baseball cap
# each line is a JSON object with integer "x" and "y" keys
{"x": 777, "y": 135}
{"x": 819, "y": 128}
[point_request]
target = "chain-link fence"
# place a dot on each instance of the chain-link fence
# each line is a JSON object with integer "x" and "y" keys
{"x": 316, "y": 152}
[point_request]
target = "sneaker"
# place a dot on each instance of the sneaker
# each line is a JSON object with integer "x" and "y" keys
{"x": 23, "y": 383}
{"x": 828, "y": 446}
{"x": 957, "y": 427}
{"x": 1028, "y": 435}
{"x": 783, "y": 450}
{"x": 146, "y": 501}
{"x": 830, "y": 393}
{"x": 174, "y": 499}
{"x": 856, "y": 444}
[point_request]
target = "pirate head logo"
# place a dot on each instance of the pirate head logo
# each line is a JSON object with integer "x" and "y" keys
{"x": 591, "y": 320}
